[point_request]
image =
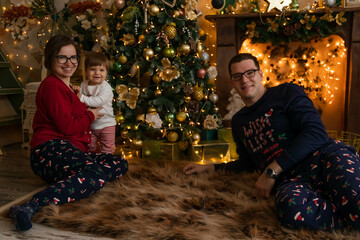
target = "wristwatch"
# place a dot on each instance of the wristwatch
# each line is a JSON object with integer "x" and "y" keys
{"x": 270, "y": 173}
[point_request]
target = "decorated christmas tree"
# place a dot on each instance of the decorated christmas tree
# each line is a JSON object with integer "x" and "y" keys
{"x": 163, "y": 81}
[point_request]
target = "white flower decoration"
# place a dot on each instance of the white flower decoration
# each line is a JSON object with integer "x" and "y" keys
{"x": 86, "y": 24}
{"x": 154, "y": 119}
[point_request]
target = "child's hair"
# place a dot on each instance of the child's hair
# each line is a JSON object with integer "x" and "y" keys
{"x": 97, "y": 59}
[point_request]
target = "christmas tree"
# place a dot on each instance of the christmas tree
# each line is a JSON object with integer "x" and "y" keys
{"x": 163, "y": 81}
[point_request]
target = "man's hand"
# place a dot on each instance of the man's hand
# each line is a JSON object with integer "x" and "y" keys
{"x": 96, "y": 113}
{"x": 198, "y": 168}
{"x": 264, "y": 185}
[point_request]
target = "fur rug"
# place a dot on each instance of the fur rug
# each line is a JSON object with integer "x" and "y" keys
{"x": 155, "y": 200}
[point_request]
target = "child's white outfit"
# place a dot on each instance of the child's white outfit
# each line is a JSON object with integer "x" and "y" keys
{"x": 103, "y": 129}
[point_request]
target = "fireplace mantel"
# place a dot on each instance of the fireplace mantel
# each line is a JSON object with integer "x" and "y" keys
{"x": 230, "y": 39}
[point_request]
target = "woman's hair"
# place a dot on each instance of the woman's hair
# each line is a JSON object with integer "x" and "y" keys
{"x": 53, "y": 46}
{"x": 97, "y": 59}
{"x": 241, "y": 57}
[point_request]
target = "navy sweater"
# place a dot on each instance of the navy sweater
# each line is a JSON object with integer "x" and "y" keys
{"x": 283, "y": 126}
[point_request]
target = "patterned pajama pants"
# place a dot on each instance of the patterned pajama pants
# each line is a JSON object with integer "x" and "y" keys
{"x": 325, "y": 194}
{"x": 73, "y": 174}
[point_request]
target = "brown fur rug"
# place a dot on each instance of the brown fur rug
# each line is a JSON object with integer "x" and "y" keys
{"x": 155, "y": 200}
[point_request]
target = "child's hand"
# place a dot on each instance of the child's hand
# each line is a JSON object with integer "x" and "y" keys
{"x": 76, "y": 89}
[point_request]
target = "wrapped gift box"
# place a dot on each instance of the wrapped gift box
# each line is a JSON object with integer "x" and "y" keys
{"x": 161, "y": 150}
{"x": 210, "y": 152}
{"x": 225, "y": 134}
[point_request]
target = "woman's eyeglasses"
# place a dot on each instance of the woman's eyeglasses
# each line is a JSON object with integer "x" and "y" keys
{"x": 249, "y": 74}
{"x": 63, "y": 59}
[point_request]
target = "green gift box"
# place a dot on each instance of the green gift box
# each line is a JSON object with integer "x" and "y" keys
{"x": 210, "y": 152}
{"x": 162, "y": 150}
{"x": 206, "y": 134}
{"x": 225, "y": 134}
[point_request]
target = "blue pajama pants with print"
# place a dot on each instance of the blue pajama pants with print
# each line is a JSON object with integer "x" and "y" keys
{"x": 324, "y": 192}
{"x": 73, "y": 174}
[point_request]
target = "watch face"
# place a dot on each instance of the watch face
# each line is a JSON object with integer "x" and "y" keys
{"x": 270, "y": 173}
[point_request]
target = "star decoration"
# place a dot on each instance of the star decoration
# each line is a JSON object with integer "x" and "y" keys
{"x": 277, "y": 4}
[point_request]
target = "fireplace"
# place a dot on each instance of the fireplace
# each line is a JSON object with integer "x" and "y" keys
{"x": 340, "y": 113}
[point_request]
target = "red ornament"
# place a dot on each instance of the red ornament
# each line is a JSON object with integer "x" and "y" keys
{"x": 201, "y": 73}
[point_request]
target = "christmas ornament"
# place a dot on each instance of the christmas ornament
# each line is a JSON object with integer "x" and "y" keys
{"x": 169, "y": 117}
{"x": 273, "y": 4}
{"x": 148, "y": 53}
{"x": 154, "y": 120}
{"x": 187, "y": 99}
{"x": 117, "y": 66}
{"x": 172, "y": 136}
{"x": 198, "y": 94}
{"x": 212, "y": 72}
{"x": 124, "y": 133}
{"x": 183, "y": 145}
{"x": 185, "y": 48}
{"x": 199, "y": 47}
{"x": 134, "y": 70}
{"x": 119, "y": 4}
{"x": 176, "y": 14}
{"x": 156, "y": 79}
{"x": 204, "y": 56}
{"x": 157, "y": 92}
{"x": 153, "y": 10}
{"x": 152, "y": 110}
{"x": 158, "y": 48}
{"x": 170, "y": 31}
{"x": 191, "y": 123}
{"x": 181, "y": 116}
{"x": 128, "y": 39}
{"x": 140, "y": 118}
{"x": 169, "y": 52}
{"x": 195, "y": 138}
{"x": 169, "y": 72}
{"x": 200, "y": 73}
{"x": 130, "y": 95}
{"x": 141, "y": 38}
{"x": 137, "y": 143}
{"x": 213, "y": 98}
{"x": 119, "y": 118}
{"x": 201, "y": 32}
{"x": 122, "y": 59}
{"x": 218, "y": 4}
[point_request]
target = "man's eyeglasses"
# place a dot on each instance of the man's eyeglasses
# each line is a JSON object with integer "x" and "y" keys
{"x": 249, "y": 74}
{"x": 63, "y": 59}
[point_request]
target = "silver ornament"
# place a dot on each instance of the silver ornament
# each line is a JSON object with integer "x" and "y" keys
{"x": 213, "y": 97}
{"x": 204, "y": 56}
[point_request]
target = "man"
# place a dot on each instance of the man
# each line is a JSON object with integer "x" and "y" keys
{"x": 279, "y": 132}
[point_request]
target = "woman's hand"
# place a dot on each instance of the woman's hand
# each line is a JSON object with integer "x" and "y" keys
{"x": 198, "y": 168}
{"x": 96, "y": 113}
{"x": 264, "y": 185}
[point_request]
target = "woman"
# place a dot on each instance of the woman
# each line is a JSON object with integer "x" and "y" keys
{"x": 61, "y": 139}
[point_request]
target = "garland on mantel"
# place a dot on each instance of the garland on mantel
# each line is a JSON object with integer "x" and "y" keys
{"x": 296, "y": 27}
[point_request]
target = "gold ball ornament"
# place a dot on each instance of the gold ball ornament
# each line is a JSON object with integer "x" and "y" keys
{"x": 181, "y": 116}
{"x": 183, "y": 145}
{"x": 142, "y": 38}
{"x": 119, "y": 4}
{"x": 153, "y": 10}
{"x": 201, "y": 32}
{"x": 191, "y": 123}
{"x": 198, "y": 94}
{"x": 172, "y": 136}
{"x": 185, "y": 48}
{"x": 170, "y": 31}
{"x": 156, "y": 79}
{"x": 152, "y": 110}
{"x": 195, "y": 138}
{"x": 119, "y": 118}
{"x": 187, "y": 99}
{"x": 124, "y": 133}
{"x": 169, "y": 52}
{"x": 157, "y": 92}
{"x": 140, "y": 118}
{"x": 148, "y": 53}
{"x": 122, "y": 59}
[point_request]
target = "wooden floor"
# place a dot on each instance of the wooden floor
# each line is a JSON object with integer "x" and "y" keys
{"x": 17, "y": 183}
{"x": 16, "y": 176}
